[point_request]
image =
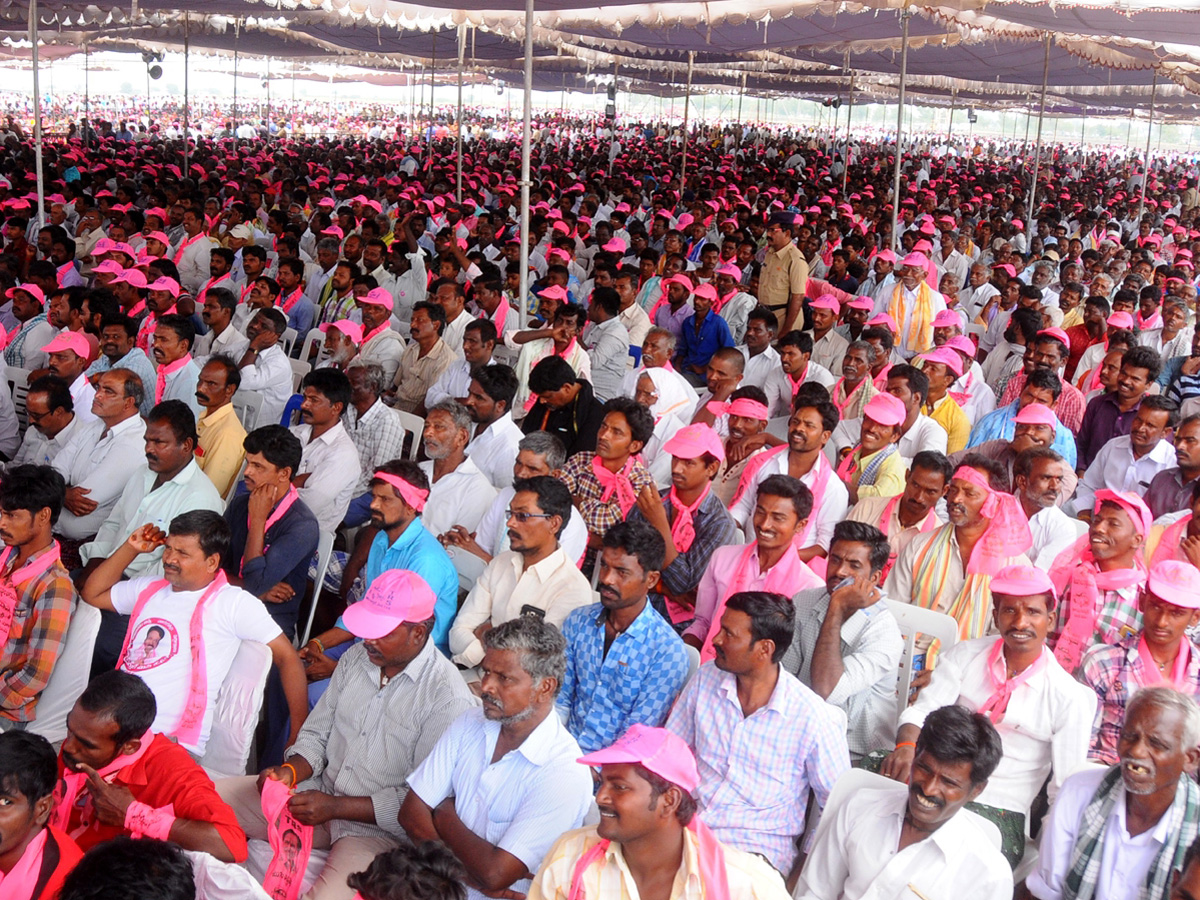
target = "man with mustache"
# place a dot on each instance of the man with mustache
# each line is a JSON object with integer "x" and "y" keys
{"x": 1161, "y": 653}
{"x": 330, "y": 465}
{"x": 177, "y": 372}
{"x": 1042, "y": 714}
{"x": 502, "y": 783}
{"x": 1130, "y": 462}
{"x": 1039, "y": 476}
{"x": 534, "y": 577}
{"x": 219, "y": 450}
{"x": 888, "y": 835}
{"x": 118, "y": 350}
{"x": 1123, "y": 832}
{"x": 914, "y": 511}
{"x": 460, "y": 493}
{"x": 350, "y": 761}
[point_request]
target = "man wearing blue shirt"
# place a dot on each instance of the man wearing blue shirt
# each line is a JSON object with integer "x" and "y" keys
{"x": 625, "y": 663}
{"x": 703, "y": 334}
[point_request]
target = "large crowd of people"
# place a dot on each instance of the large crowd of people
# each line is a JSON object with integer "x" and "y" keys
{"x": 621, "y": 578}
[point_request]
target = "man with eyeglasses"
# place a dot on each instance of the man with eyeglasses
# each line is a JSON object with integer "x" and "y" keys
{"x": 534, "y": 578}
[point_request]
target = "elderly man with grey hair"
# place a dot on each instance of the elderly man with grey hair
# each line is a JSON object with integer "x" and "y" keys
{"x": 502, "y": 783}
{"x": 1122, "y": 832}
{"x": 375, "y": 429}
{"x": 459, "y": 492}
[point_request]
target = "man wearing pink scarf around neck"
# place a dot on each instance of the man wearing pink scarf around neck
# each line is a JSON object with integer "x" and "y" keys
{"x": 649, "y": 832}
{"x": 1043, "y": 715}
{"x": 1161, "y": 654}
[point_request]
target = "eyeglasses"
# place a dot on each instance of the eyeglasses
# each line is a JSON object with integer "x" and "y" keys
{"x": 525, "y": 516}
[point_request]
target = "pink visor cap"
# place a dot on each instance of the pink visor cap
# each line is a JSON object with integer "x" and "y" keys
{"x": 1023, "y": 581}
{"x": 394, "y": 597}
{"x": 693, "y": 441}
{"x": 1176, "y": 582}
{"x": 1036, "y": 414}
{"x": 350, "y": 329}
{"x": 69, "y": 340}
{"x": 662, "y": 752}
{"x": 886, "y": 410}
{"x": 946, "y": 357}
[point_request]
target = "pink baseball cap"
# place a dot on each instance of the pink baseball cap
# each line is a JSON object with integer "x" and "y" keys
{"x": 1121, "y": 320}
{"x": 158, "y": 236}
{"x": 1036, "y": 414}
{"x": 334, "y": 231}
{"x": 946, "y": 357}
{"x": 69, "y": 340}
{"x": 962, "y": 344}
{"x": 350, "y": 329}
{"x": 616, "y": 245}
{"x": 861, "y": 302}
{"x": 1057, "y": 333}
{"x": 826, "y": 301}
{"x": 1138, "y": 512}
{"x": 662, "y": 752}
{"x": 917, "y": 260}
{"x": 693, "y": 441}
{"x": 729, "y": 269}
{"x": 108, "y": 267}
{"x": 1176, "y": 582}
{"x": 1007, "y": 268}
{"x": 883, "y": 319}
{"x": 1023, "y": 581}
{"x": 947, "y": 318}
{"x": 377, "y": 297}
{"x": 885, "y": 409}
{"x": 164, "y": 283}
{"x": 396, "y": 596}
{"x": 886, "y": 256}
{"x": 136, "y": 278}
{"x": 554, "y": 292}
{"x": 30, "y": 288}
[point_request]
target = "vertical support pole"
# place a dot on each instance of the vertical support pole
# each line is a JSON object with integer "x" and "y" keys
{"x": 900, "y": 128}
{"x": 1037, "y": 156}
{"x": 237, "y": 33}
{"x": 526, "y": 141}
{"x": 187, "y": 56}
{"x": 87, "y": 93}
{"x": 462, "y": 50}
{"x": 37, "y": 116}
{"x": 950, "y": 124}
{"x": 846, "y": 152}
{"x": 687, "y": 102}
{"x": 1146, "y": 159}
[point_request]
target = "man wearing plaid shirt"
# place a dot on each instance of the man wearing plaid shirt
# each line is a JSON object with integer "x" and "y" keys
{"x": 375, "y": 429}
{"x": 36, "y": 594}
{"x": 625, "y": 664}
{"x": 763, "y": 740}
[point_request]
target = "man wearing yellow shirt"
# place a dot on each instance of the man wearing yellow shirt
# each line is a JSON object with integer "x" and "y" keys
{"x": 219, "y": 453}
{"x": 943, "y": 367}
{"x": 875, "y": 468}
{"x": 649, "y": 836}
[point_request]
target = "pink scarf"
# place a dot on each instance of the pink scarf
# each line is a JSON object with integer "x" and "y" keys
{"x": 1169, "y": 541}
{"x": 710, "y": 858}
{"x": 501, "y": 316}
{"x": 683, "y": 529}
{"x": 185, "y": 245}
{"x": 246, "y": 292}
{"x": 72, "y": 783}
{"x": 373, "y": 332}
{"x": 1153, "y": 677}
{"x": 786, "y": 577}
{"x": 284, "y": 877}
{"x": 148, "y": 325}
{"x": 1076, "y": 568}
{"x": 822, "y": 471}
{"x": 833, "y": 395}
{"x": 62, "y": 272}
{"x": 1007, "y": 533}
{"x": 22, "y": 879}
{"x": 1155, "y": 321}
{"x": 617, "y": 482}
{"x": 1003, "y": 687}
{"x": 663, "y": 298}
{"x": 796, "y": 382}
{"x": 880, "y": 380}
{"x": 292, "y": 300}
{"x": 192, "y": 720}
{"x": 277, "y": 513}
{"x": 160, "y": 381}
{"x": 9, "y": 584}
{"x": 927, "y": 524}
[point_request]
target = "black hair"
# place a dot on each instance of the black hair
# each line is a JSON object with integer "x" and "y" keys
{"x": 822, "y": 404}
{"x": 181, "y": 325}
{"x": 1143, "y": 358}
{"x": 862, "y": 533}
{"x": 233, "y": 375}
{"x": 224, "y": 297}
{"x": 402, "y": 468}
{"x": 639, "y": 539}
{"x": 435, "y": 312}
{"x": 208, "y": 527}
{"x": 1166, "y": 404}
{"x": 761, "y": 314}
{"x": 553, "y": 498}
{"x": 33, "y": 488}
{"x": 57, "y": 391}
{"x": 608, "y": 300}
{"x": 639, "y": 418}
{"x": 119, "y": 320}
{"x": 1046, "y": 380}
{"x": 802, "y": 341}
{"x": 28, "y": 765}
{"x": 499, "y": 382}
{"x": 685, "y": 811}
{"x": 277, "y": 445}
{"x": 772, "y": 618}
{"x": 178, "y": 416}
{"x": 124, "y": 698}
{"x": 790, "y": 489}
{"x": 933, "y": 461}
{"x": 331, "y": 383}
{"x": 954, "y": 734}
{"x": 428, "y": 871}
{"x": 997, "y": 473}
{"x": 486, "y": 329}
{"x": 918, "y": 381}
{"x": 123, "y": 867}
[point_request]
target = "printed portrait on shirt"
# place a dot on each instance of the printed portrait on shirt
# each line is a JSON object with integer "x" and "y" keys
{"x": 155, "y": 641}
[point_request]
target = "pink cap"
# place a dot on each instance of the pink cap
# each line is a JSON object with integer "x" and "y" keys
{"x": 743, "y": 407}
{"x": 30, "y": 288}
{"x": 692, "y": 441}
{"x": 126, "y": 249}
{"x": 705, "y": 290}
{"x": 108, "y": 267}
{"x": 1131, "y": 503}
{"x": 962, "y": 344}
{"x": 1057, "y": 333}
{"x": 163, "y": 283}
{"x": 662, "y": 752}
{"x": 396, "y": 596}
{"x": 1007, "y": 268}
{"x": 554, "y": 292}
{"x": 731, "y": 270}
{"x": 1036, "y": 414}
{"x": 946, "y": 357}
{"x": 883, "y": 319}
{"x": 158, "y": 236}
{"x": 1176, "y": 582}
{"x": 69, "y": 340}
{"x": 135, "y": 278}
{"x": 350, "y": 329}
{"x": 917, "y": 260}
{"x": 886, "y": 256}
{"x": 377, "y": 297}
{"x": 1122, "y": 320}
{"x": 947, "y": 318}
{"x": 826, "y": 301}
{"x": 885, "y": 409}
{"x": 1023, "y": 581}
{"x": 616, "y": 245}
{"x": 334, "y": 231}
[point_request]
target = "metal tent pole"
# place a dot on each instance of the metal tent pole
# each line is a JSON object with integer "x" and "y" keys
{"x": 1146, "y": 159}
{"x": 687, "y": 102}
{"x": 187, "y": 50}
{"x": 1037, "y": 156}
{"x": 87, "y": 94}
{"x": 526, "y": 141}
{"x": 950, "y": 124}
{"x": 37, "y": 116}
{"x": 237, "y": 31}
{"x": 900, "y": 128}
{"x": 846, "y": 153}
{"x": 462, "y": 50}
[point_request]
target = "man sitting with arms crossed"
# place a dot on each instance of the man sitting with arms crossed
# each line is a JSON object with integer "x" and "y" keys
{"x": 892, "y": 840}
{"x": 208, "y": 619}
{"x": 1042, "y": 714}
{"x": 118, "y": 775}
{"x": 390, "y": 699}
{"x": 501, "y": 784}
{"x": 847, "y": 645}
{"x": 649, "y": 841}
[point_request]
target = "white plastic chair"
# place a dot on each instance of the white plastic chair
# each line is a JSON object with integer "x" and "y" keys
{"x": 314, "y": 338}
{"x": 469, "y": 567}
{"x": 236, "y": 715}
{"x": 299, "y": 370}
{"x": 693, "y": 656}
{"x": 324, "y": 552}
{"x": 914, "y": 620}
{"x": 414, "y": 425}
{"x": 18, "y": 384}
{"x": 247, "y": 406}
{"x": 69, "y": 676}
{"x": 289, "y": 340}
{"x": 504, "y": 356}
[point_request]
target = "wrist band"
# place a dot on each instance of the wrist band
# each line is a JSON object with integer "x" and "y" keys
{"x": 320, "y": 646}
{"x": 898, "y": 746}
{"x": 295, "y": 774}
{"x": 142, "y": 820}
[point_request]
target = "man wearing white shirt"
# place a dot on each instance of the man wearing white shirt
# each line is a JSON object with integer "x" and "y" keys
{"x": 534, "y": 573}
{"x": 177, "y": 372}
{"x": 891, "y": 841}
{"x": 52, "y": 422}
{"x": 264, "y": 366}
{"x": 1129, "y": 462}
{"x": 479, "y": 341}
{"x": 1043, "y": 715}
{"x": 978, "y": 291}
{"x": 381, "y": 345}
{"x": 408, "y": 267}
{"x": 949, "y": 261}
{"x": 220, "y": 304}
{"x": 607, "y": 344}
{"x": 919, "y": 432}
{"x": 329, "y": 466}
{"x": 795, "y": 368}
{"x": 449, "y": 296}
{"x": 488, "y": 402}
{"x": 191, "y": 255}
{"x": 882, "y": 281}
{"x": 1038, "y": 477}
{"x": 761, "y": 358}
{"x": 67, "y": 358}
{"x": 459, "y": 492}
{"x": 95, "y": 462}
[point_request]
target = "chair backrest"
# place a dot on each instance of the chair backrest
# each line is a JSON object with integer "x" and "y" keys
{"x": 693, "y": 656}
{"x": 290, "y": 409}
{"x": 69, "y": 676}
{"x": 236, "y": 715}
{"x": 299, "y": 370}
{"x": 414, "y": 425}
{"x": 18, "y": 385}
{"x": 247, "y": 406}
{"x": 314, "y": 338}
{"x": 504, "y": 356}
{"x": 914, "y": 621}
{"x": 324, "y": 552}
{"x": 289, "y": 340}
